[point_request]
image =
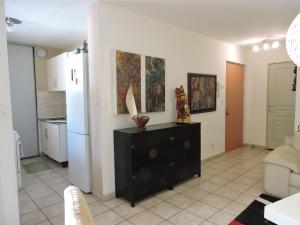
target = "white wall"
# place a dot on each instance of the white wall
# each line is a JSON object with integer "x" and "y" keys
{"x": 297, "y": 113}
{"x": 112, "y": 28}
{"x": 9, "y": 209}
{"x": 256, "y": 84}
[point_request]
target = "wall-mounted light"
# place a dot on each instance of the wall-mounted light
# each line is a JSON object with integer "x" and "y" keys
{"x": 255, "y": 48}
{"x": 266, "y": 45}
{"x": 275, "y": 44}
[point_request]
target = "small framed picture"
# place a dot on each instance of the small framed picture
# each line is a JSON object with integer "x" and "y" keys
{"x": 202, "y": 92}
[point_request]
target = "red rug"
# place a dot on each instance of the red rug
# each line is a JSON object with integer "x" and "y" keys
{"x": 254, "y": 213}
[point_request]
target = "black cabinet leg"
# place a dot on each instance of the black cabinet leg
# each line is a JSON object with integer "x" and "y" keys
{"x": 117, "y": 195}
{"x": 171, "y": 188}
{"x": 199, "y": 174}
{"x": 132, "y": 204}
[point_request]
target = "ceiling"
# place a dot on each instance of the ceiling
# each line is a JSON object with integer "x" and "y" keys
{"x": 60, "y": 23}
{"x": 51, "y": 23}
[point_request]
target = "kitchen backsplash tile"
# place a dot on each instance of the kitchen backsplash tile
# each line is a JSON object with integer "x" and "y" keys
{"x": 51, "y": 104}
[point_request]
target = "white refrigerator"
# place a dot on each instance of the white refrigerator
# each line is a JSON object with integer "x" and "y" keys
{"x": 78, "y": 121}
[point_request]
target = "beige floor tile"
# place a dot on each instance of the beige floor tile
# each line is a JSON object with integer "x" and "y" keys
{"x": 23, "y": 196}
{"x": 126, "y": 222}
{"x": 237, "y": 186}
{"x": 40, "y": 193}
{"x": 202, "y": 210}
{"x": 48, "y": 200}
{"x": 245, "y": 180}
{"x": 97, "y": 208}
{"x": 56, "y": 181}
{"x": 90, "y": 198}
{"x": 165, "y": 194}
{"x": 149, "y": 202}
{"x": 215, "y": 201}
{"x": 207, "y": 186}
{"x": 54, "y": 210}
{"x": 33, "y": 218}
{"x": 245, "y": 199}
{"x": 127, "y": 211}
{"x": 254, "y": 191}
{"x": 218, "y": 180}
{"x": 108, "y": 218}
{"x": 227, "y": 193}
{"x": 166, "y": 223}
{"x": 146, "y": 218}
{"x": 185, "y": 218}
{"x": 181, "y": 201}
{"x": 207, "y": 223}
{"x": 221, "y": 218}
{"x": 49, "y": 176}
{"x": 182, "y": 187}
{"x": 234, "y": 208}
{"x": 165, "y": 210}
{"x": 60, "y": 220}
{"x": 27, "y": 207}
{"x": 45, "y": 223}
{"x": 35, "y": 187}
{"x": 114, "y": 202}
{"x": 195, "y": 193}
{"x": 228, "y": 175}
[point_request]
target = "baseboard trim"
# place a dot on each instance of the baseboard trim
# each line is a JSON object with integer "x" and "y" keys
{"x": 255, "y": 146}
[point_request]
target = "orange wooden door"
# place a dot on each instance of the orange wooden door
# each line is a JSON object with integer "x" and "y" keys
{"x": 234, "y": 106}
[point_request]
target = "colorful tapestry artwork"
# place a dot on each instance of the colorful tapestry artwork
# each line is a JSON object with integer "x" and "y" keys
{"x": 155, "y": 84}
{"x": 128, "y": 70}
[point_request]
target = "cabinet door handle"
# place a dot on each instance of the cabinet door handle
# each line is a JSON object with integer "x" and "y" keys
{"x": 172, "y": 139}
{"x": 72, "y": 76}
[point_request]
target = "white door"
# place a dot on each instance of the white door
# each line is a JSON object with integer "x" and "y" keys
{"x": 281, "y": 103}
{"x": 23, "y": 96}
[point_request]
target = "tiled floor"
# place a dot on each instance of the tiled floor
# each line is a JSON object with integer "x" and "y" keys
{"x": 228, "y": 184}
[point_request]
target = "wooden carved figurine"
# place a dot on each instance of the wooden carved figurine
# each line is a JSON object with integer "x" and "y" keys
{"x": 182, "y": 107}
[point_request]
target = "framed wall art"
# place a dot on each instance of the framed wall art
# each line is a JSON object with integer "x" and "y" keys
{"x": 155, "y": 84}
{"x": 128, "y": 70}
{"x": 202, "y": 92}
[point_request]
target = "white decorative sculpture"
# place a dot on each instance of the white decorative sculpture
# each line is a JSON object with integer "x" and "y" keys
{"x": 139, "y": 119}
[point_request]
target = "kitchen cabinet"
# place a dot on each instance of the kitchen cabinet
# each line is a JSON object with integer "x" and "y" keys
{"x": 56, "y": 67}
{"x": 53, "y": 141}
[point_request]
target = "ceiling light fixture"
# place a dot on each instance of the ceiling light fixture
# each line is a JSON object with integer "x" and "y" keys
{"x": 255, "y": 48}
{"x": 275, "y": 44}
{"x": 266, "y": 46}
{"x": 10, "y": 22}
{"x": 293, "y": 40}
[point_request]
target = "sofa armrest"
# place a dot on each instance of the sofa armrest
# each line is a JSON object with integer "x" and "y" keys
{"x": 76, "y": 208}
{"x": 286, "y": 156}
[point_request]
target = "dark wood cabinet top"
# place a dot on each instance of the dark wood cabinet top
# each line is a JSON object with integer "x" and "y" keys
{"x": 135, "y": 130}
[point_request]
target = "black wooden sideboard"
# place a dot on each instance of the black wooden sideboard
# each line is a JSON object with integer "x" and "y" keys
{"x": 155, "y": 158}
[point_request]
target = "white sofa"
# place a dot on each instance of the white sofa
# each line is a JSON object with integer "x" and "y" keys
{"x": 282, "y": 169}
{"x": 76, "y": 209}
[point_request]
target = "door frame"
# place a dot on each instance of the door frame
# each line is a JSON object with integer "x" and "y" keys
{"x": 268, "y": 98}
{"x": 244, "y": 65}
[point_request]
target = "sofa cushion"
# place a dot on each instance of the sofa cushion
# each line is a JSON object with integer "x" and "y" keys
{"x": 295, "y": 180}
{"x": 76, "y": 208}
{"x": 285, "y": 156}
{"x": 296, "y": 142}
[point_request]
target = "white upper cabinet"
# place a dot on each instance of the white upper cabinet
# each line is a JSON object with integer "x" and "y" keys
{"x": 56, "y": 73}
